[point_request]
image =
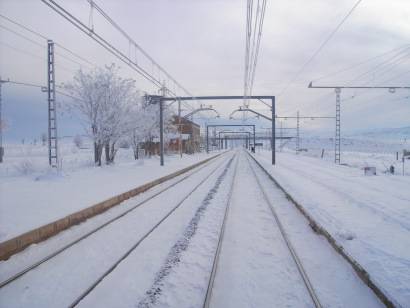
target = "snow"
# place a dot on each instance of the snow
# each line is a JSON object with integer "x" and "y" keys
{"x": 44, "y": 195}
{"x": 255, "y": 267}
{"x": 368, "y": 215}
{"x": 61, "y": 281}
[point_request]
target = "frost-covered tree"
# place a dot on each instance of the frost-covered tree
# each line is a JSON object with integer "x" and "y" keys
{"x": 78, "y": 140}
{"x": 146, "y": 125}
{"x": 35, "y": 141}
{"x": 44, "y": 138}
{"x": 103, "y": 104}
{"x": 22, "y": 140}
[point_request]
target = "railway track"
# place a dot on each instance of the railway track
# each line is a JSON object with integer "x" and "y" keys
{"x": 189, "y": 184}
{"x": 267, "y": 203}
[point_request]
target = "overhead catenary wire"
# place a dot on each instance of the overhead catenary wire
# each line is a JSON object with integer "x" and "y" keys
{"x": 112, "y": 49}
{"x": 36, "y": 57}
{"x": 130, "y": 40}
{"x": 24, "y": 27}
{"x": 345, "y": 69}
{"x": 42, "y": 46}
{"x": 310, "y": 60}
{"x": 251, "y": 56}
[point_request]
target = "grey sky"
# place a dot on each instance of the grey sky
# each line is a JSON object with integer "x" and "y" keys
{"x": 202, "y": 45}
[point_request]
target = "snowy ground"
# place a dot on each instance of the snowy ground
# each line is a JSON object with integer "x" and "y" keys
{"x": 171, "y": 267}
{"x": 368, "y": 215}
{"x": 33, "y": 194}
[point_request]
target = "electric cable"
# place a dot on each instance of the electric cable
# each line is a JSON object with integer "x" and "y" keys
{"x": 55, "y": 52}
{"x": 345, "y": 69}
{"x": 319, "y": 49}
{"x": 24, "y": 27}
{"x": 36, "y": 57}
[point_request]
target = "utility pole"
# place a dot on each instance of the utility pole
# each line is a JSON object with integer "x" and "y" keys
{"x": 191, "y": 150}
{"x": 1, "y": 125}
{"x": 297, "y": 135}
{"x": 161, "y": 130}
{"x": 338, "y": 90}
{"x": 52, "y": 107}
{"x": 337, "y": 137}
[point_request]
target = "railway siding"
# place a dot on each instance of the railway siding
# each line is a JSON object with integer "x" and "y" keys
{"x": 18, "y": 244}
{"x": 382, "y": 294}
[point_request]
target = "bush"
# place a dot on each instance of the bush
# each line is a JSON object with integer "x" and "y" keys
{"x": 26, "y": 167}
{"x": 123, "y": 144}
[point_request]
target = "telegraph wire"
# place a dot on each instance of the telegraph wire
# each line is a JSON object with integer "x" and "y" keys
{"x": 404, "y": 58}
{"x": 120, "y": 55}
{"x": 345, "y": 69}
{"x": 24, "y": 27}
{"x": 319, "y": 49}
{"x": 94, "y": 5}
{"x": 23, "y": 51}
{"x": 36, "y": 57}
{"x": 26, "y": 84}
{"x": 46, "y": 47}
{"x": 23, "y": 37}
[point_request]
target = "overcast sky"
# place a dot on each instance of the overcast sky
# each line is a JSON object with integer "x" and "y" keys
{"x": 201, "y": 44}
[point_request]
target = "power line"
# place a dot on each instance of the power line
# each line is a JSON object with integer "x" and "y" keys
{"x": 23, "y": 36}
{"x": 24, "y": 27}
{"x": 319, "y": 49}
{"x": 36, "y": 57}
{"x": 26, "y": 84}
{"x": 92, "y": 34}
{"x": 46, "y": 47}
{"x": 345, "y": 69}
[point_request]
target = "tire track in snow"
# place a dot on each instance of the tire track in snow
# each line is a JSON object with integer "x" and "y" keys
{"x": 174, "y": 255}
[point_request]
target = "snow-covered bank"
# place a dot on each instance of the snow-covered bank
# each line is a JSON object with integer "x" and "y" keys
{"x": 40, "y": 196}
{"x": 368, "y": 215}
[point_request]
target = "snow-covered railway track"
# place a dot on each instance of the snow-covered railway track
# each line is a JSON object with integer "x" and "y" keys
{"x": 252, "y": 185}
{"x": 27, "y": 287}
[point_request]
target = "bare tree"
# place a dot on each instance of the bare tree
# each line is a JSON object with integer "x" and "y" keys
{"x": 5, "y": 124}
{"x": 35, "y": 141}
{"x": 22, "y": 140}
{"x": 44, "y": 138}
{"x": 78, "y": 140}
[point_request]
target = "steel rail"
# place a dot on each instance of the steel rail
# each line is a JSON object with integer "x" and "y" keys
{"x": 293, "y": 252}
{"x": 95, "y": 230}
{"x": 218, "y": 250}
{"x": 82, "y": 296}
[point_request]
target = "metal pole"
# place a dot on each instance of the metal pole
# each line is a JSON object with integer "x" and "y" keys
{"x": 207, "y": 139}
{"x": 337, "y": 138}
{"x": 179, "y": 109}
{"x": 254, "y": 137}
{"x": 161, "y": 131}
{"x": 52, "y": 112}
{"x": 226, "y": 142}
{"x": 1, "y": 128}
{"x": 297, "y": 136}
{"x": 273, "y": 131}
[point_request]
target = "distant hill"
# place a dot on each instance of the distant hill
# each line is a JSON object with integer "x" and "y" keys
{"x": 377, "y": 133}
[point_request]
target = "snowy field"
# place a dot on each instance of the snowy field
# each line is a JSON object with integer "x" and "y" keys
{"x": 32, "y": 194}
